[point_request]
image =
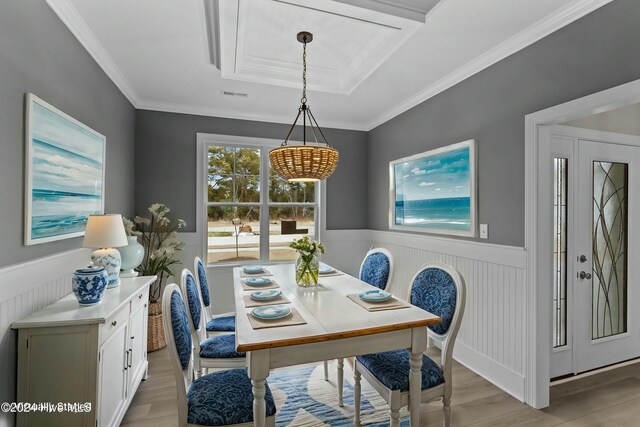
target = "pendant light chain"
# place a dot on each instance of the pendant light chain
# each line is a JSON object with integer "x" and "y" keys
{"x": 304, "y": 71}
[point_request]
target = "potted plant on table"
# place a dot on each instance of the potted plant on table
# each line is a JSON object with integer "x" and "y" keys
{"x": 307, "y": 264}
{"x": 159, "y": 237}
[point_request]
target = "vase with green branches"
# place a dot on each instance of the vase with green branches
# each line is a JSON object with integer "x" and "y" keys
{"x": 307, "y": 264}
{"x": 159, "y": 237}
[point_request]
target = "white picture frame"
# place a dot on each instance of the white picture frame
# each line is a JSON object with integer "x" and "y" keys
{"x": 64, "y": 173}
{"x": 435, "y": 191}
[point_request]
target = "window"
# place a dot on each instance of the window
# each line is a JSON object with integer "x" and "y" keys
{"x": 252, "y": 213}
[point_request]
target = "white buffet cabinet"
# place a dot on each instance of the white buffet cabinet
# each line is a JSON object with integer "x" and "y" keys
{"x": 73, "y": 354}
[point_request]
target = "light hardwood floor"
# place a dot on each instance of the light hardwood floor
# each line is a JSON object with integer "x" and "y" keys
{"x": 610, "y": 398}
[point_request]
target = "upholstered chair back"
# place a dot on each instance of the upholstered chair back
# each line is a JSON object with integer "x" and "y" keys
{"x": 377, "y": 268}
{"x": 178, "y": 336}
{"x": 440, "y": 289}
{"x": 201, "y": 278}
{"x": 194, "y": 307}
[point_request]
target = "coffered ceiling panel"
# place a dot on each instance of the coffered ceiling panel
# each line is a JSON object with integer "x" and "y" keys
{"x": 258, "y": 42}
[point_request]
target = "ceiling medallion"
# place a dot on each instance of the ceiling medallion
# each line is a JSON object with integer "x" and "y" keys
{"x": 305, "y": 163}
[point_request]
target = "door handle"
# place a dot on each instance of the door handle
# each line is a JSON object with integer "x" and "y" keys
{"x": 584, "y": 275}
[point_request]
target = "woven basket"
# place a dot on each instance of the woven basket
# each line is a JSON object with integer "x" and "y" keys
{"x": 155, "y": 330}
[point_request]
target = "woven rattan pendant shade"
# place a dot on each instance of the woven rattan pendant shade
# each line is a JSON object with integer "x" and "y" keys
{"x": 304, "y": 162}
{"x": 298, "y": 163}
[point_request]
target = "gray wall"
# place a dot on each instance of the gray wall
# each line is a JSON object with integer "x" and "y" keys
{"x": 594, "y": 53}
{"x": 166, "y": 159}
{"x": 38, "y": 54}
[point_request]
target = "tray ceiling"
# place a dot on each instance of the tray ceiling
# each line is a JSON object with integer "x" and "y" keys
{"x": 258, "y": 43}
{"x": 366, "y": 64}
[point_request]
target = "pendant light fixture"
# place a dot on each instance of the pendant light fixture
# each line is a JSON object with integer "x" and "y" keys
{"x": 305, "y": 163}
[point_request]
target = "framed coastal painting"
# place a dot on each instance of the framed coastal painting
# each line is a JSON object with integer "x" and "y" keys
{"x": 64, "y": 173}
{"x": 435, "y": 191}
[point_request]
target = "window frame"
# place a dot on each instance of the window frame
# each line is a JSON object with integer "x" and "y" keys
{"x": 204, "y": 141}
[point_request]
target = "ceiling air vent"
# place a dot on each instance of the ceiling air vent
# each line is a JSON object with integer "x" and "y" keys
{"x": 239, "y": 94}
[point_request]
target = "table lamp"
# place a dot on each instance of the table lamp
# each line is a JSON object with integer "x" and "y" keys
{"x": 105, "y": 233}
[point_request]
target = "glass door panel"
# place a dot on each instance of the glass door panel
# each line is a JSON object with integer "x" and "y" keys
{"x": 609, "y": 283}
{"x": 560, "y": 252}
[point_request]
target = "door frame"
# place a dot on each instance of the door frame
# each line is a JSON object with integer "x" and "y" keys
{"x": 538, "y": 216}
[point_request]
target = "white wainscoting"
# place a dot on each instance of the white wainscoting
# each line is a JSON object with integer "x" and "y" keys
{"x": 491, "y": 340}
{"x": 24, "y": 289}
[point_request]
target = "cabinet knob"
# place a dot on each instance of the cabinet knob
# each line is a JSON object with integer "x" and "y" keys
{"x": 114, "y": 323}
{"x": 140, "y": 296}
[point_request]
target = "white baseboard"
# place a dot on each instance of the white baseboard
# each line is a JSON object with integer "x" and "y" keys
{"x": 503, "y": 377}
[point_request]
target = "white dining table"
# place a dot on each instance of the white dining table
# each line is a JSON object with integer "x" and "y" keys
{"x": 336, "y": 328}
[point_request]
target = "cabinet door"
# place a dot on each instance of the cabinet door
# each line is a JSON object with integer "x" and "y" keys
{"x": 112, "y": 389}
{"x": 137, "y": 344}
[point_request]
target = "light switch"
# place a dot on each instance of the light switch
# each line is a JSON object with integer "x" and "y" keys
{"x": 484, "y": 231}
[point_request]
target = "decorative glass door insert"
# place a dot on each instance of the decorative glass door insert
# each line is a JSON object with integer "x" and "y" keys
{"x": 609, "y": 283}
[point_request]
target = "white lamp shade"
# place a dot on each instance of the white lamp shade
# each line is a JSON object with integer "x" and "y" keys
{"x": 104, "y": 231}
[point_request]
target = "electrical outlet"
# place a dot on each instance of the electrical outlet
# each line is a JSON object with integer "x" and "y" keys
{"x": 484, "y": 231}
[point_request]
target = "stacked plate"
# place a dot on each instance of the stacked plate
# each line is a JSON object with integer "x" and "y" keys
{"x": 270, "y": 312}
{"x": 266, "y": 295}
{"x": 257, "y": 281}
{"x": 325, "y": 269}
{"x": 375, "y": 295}
{"x": 253, "y": 269}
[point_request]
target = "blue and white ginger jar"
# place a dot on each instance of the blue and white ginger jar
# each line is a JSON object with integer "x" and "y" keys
{"x": 89, "y": 284}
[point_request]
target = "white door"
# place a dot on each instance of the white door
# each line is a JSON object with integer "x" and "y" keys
{"x": 596, "y": 250}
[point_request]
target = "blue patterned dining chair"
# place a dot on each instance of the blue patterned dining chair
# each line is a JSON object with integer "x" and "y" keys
{"x": 217, "y": 352}
{"x": 439, "y": 289}
{"x": 223, "y": 398}
{"x": 377, "y": 270}
{"x": 214, "y": 324}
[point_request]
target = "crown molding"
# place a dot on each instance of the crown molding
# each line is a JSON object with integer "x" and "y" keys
{"x": 69, "y": 15}
{"x": 570, "y": 13}
{"x": 267, "y": 118}
{"x": 535, "y": 32}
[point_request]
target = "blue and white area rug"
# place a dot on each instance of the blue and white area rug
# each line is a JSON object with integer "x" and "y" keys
{"x": 305, "y": 399}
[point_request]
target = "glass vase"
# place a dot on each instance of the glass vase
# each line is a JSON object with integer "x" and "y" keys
{"x": 307, "y": 267}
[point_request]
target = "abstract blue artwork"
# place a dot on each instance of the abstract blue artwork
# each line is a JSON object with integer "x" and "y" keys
{"x": 64, "y": 174}
{"x": 435, "y": 191}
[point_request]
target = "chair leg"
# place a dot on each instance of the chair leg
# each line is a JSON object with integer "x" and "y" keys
{"x": 326, "y": 370}
{"x": 340, "y": 381}
{"x": 395, "y": 418}
{"x": 446, "y": 402}
{"x": 356, "y": 396}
